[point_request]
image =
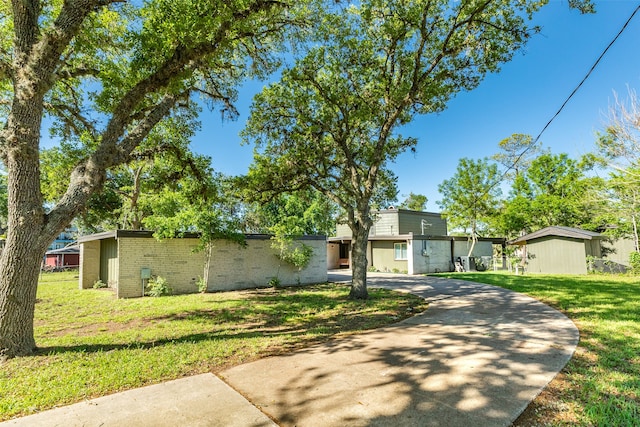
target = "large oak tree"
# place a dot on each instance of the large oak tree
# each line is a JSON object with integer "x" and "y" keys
{"x": 332, "y": 122}
{"x": 107, "y": 72}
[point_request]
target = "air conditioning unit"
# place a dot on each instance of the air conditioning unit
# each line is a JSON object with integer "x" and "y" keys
{"x": 468, "y": 262}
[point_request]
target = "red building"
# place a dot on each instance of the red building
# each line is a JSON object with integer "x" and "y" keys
{"x": 68, "y": 257}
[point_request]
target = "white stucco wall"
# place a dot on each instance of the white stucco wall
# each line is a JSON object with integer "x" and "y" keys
{"x": 435, "y": 258}
{"x": 481, "y": 249}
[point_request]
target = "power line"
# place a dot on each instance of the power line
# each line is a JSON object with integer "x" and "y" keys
{"x": 564, "y": 104}
{"x": 575, "y": 90}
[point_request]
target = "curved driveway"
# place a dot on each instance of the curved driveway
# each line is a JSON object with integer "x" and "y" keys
{"x": 476, "y": 357}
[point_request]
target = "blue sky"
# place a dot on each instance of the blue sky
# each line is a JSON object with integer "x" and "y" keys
{"x": 521, "y": 98}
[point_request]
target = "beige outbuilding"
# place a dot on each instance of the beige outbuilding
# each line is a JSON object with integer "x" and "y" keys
{"x": 126, "y": 259}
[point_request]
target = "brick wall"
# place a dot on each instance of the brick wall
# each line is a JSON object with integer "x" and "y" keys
{"x": 235, "y": 267}
{"x": 172, "y": 259}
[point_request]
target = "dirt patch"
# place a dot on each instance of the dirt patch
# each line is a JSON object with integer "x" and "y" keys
{"x": 98, "y": 328}
{"x": 549, "y": 408}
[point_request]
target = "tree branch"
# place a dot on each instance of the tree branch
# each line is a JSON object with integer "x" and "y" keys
{"x": 88, "y": 177}
{"x": 71, "y": 116}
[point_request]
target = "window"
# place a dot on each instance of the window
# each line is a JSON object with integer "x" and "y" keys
{"x": 400, "y": 250}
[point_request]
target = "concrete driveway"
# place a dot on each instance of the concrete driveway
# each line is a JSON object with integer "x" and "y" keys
{"x": 476, "y": 357}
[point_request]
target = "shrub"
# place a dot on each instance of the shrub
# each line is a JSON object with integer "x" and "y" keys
{"x": 202, "y": 285}
{"x": 297, "y": 254}
{"x": 99, "y": 285}
{"x": 157, "y": 287}
{"x": 274, "y": 282}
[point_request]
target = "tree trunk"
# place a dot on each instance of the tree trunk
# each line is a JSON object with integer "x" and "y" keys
{"x": 474, "y": 238}
{"x": 359, "y": 243}
{"x": 26, "y": 239}
{"x": 473, "y": 244}
{"x": 28, "y": 233}
{"x": 636, "y": 241}
{"x": 19, "y": 268}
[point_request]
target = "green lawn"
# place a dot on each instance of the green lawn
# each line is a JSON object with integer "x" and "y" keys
{"x": 91, "y": 344}
{"x": 601, "y": 384}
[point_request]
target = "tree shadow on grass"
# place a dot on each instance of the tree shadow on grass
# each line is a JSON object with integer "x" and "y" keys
{"x": 586, "y": 296}
{"x": 300, "y": 316}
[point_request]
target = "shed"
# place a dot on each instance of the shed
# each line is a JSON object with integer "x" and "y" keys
{"x": 559, "y": 250}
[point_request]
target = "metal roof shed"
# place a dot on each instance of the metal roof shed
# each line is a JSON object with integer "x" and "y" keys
{"x": 559, "y": 250}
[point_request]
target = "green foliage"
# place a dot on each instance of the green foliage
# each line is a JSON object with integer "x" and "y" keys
{"x": 274, "y": 282}
{"x": 517, "y": 153}
{"x": 99, "y": 284}
{"x": 305, "y": 212}
{"x": 619, "y": 148}
{"x": 201, "y": 284}
{"x": 295, "y": 253}
{"x": 470, "y": 197}
{"x": 634, "y": 261}
{"x": 190, "y": 210}
{"x": 414, "y": 202}
{"x": 157, "y": 287}
{"x": 553, "y": 190}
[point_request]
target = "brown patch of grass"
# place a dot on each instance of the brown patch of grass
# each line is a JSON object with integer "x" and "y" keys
{"x": 550, "y": 407}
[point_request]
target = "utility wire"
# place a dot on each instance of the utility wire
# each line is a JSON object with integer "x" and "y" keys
{"x": 564, "y": 104}
{"x": 593, "y": 67}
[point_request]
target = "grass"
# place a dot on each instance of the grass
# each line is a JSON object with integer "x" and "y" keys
{"x": 91, "y": 344}
{"x": 600, "y": 386}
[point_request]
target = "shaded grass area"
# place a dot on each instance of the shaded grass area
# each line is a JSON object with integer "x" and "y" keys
{"x": 91, "y": 344}
{"x": 600, "y": 386}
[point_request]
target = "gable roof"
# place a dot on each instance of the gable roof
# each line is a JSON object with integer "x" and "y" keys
{"x": 558, "y": 231}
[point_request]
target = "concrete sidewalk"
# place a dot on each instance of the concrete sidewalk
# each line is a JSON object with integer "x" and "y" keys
{"x": 476, "y": 357}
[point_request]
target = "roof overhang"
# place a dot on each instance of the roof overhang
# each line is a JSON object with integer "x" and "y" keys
{"x": 557, "y": 231}
{"x": 147, "y": 234}
{"x": 493, "y": 240}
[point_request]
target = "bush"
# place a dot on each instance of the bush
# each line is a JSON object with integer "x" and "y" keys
{"x": 634, "y": 261}
{"x": 274, "y": 282}
{"x": 158, "y": 287}
{"x": 100, "y": 285}
{"x": 202, "y": 285}
{"x": 297, "y": 254}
